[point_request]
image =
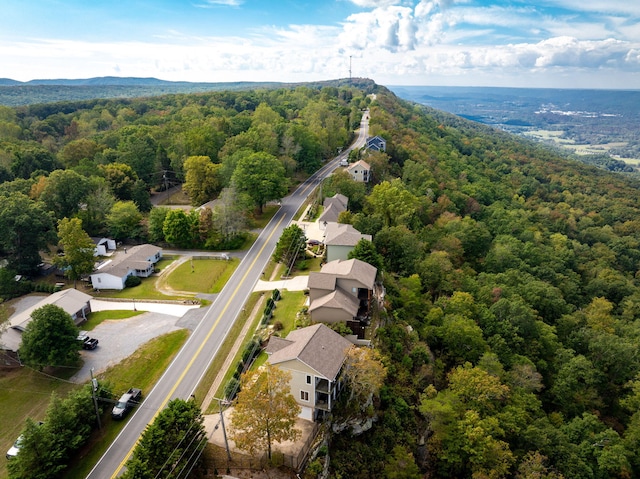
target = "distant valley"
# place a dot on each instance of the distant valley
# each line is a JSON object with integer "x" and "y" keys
{"x": 588, "y": 122}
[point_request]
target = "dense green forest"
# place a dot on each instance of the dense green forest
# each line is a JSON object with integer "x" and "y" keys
{"x": 99, "y": 161}
{"x": 510, "y": 328}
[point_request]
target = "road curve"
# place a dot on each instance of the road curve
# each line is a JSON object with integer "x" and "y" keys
{"x": 186, "y": 371}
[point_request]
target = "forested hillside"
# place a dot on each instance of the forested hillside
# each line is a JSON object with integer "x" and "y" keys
{"x": 511, "y": 328}
{"x": 99, "y": 160}
{"x": 511, "y": 322}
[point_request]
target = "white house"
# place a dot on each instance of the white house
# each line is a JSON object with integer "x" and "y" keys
{"x": 314, "y": 356}
{"x": 136, "y": 261}
{"x": 104, "y": 246}
{"x": 360, "y": 171}
{"x": 75, "y": 303}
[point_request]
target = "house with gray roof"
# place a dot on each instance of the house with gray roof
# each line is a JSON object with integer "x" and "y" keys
{"x": 332, "y": 207}
{"x": 314, "y": 356}
{"x": 342, "y": 291}
{"x": 135, "y": 261}
{"x": 340, "y": 239}
{"x": 376, "y": 143}
{"x": 73, "y": 302}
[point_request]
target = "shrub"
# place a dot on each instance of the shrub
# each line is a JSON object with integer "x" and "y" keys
{"x": 276, "y": 295}
{"x": 132, "y": 281}
{"x": 231, "y": 389}
{"x": 271, "y": 304}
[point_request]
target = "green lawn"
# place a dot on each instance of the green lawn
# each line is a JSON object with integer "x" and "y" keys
{"x": 285, "y": 312}
{"x": 25, "y": 393}
{"x": 202, "y": 275}
{"x": 95, "y": 318}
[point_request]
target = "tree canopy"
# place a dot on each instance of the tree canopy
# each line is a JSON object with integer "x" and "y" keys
{"x": 171, "y": 446}
{"x": 77, "y": 259}
{"x": 264, "y": 411}
{"x": 262, "y": 177}
{"x": 50, "y": 338}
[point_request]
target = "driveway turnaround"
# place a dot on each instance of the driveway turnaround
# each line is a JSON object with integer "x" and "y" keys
{"x": 120, "y": 338}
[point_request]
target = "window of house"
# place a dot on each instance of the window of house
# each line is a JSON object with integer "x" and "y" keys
{"x": 304, "y": 395}
{"x": 308, "y": 379}
{"x": 98, "y": 278}
{"x": 354, "y": 290}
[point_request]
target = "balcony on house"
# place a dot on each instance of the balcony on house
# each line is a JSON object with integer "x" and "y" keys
{"x": 323, "y": 401}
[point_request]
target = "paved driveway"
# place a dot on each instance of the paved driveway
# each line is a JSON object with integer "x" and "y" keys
{"x": 122, "y": 337}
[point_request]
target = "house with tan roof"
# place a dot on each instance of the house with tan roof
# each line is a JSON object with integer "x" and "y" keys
{"x": 342, "y": 291}
{"x": 136, "y": 261}
{"x": 340, "y": 239}
{"x": 360, "y": 171}
{"x": 314, "y": 356}
{"x": 73, "y": 302}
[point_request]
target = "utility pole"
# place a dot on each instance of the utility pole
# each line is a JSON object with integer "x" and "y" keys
{"x": 94, "y": 388}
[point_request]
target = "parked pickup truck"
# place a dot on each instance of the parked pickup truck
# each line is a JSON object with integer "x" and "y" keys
{"x": 126, "y": 402}
{"x": 87, "y": 342}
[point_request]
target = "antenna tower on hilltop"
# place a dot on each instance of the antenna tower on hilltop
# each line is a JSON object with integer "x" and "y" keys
{"x": 349, "y": 69}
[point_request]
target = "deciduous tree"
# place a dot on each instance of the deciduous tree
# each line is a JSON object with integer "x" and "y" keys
{"x": 262, "y": 177}
{"x": 364, "y": 373}
{"x": 78, "y": 248}
{"x": 27, "y": 227}
{"x": 124, "y": 220}
{"x": 365, "y": 251}
{"x": 264, "y": 411}
{"x": 202, "y": 179}
{"x": 50, "y": 339}
{"x": 64, "y": 191}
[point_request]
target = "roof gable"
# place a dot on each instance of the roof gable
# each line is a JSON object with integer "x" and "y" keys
{"x": 136, "y": 258}
{"x": 359, "y": 163}
{"x": 338, "y": 234}
{"x": 70, "y": 300}
{"x": 317, "y": 346}
{"x": 337, "y": 299}
{"x": 352, "y": 269}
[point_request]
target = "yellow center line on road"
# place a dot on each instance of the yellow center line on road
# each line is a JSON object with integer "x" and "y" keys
{"x": 215, "y": 324}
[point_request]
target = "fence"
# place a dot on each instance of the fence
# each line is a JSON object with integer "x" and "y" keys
{"x": 238, "y": 460}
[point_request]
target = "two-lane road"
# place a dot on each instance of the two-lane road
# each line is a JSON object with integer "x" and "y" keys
{"x": 187, "y": 369}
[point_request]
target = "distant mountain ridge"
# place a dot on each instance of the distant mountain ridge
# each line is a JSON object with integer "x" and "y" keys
{"x": 109, "y": 81}
{"x": 17, "y": 93}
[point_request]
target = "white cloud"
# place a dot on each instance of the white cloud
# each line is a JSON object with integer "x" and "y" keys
{"x": 213, "y": 3}
{"x": 374, "y": 3}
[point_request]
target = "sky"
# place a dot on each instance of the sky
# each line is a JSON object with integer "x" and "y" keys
{"x": 507, "y": 43}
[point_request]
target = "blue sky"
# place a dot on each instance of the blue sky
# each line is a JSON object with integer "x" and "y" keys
{"x": 547, "y": 43}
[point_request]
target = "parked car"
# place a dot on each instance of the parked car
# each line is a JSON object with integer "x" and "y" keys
{"x": 87, "y": 342}
{"x": 313, "y": 242}
{"x": 13, "y": 450}
{"x": 344, "y": 162}
{"x": 127, "y": 401}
